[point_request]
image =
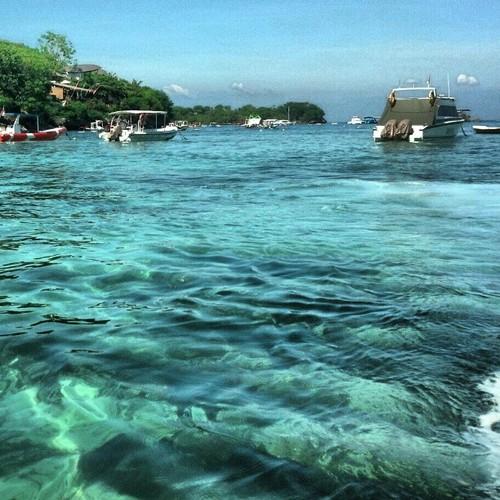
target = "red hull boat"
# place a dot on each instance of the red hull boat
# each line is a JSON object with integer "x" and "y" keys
{"x": 43, "y": 135}
{"x": 11, "y": 129}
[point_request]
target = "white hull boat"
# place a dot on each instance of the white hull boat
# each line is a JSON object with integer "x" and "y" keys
{"x": 160, "y": 134}
{"x": 139, "y": 126}
{"x": 416, "y": 114}
{"x": 486, "y": 129}
{"x": 275, "y": 123}
{"x": 181, "y": 125}
{"x": 355, "y": 120}
{"x": 97, "y": 126}
{"x": 253, "y": 122}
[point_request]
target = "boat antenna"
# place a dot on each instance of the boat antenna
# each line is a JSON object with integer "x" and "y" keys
{"x": 448, "y": 76}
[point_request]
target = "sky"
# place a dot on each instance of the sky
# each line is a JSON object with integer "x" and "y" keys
{"x": 343, "y": 55}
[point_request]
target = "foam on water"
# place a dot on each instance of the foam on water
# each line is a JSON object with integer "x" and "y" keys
{"x": 490, "y": 427}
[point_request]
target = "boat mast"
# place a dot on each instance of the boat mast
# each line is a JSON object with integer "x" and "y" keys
{"x": 448, "y": 76}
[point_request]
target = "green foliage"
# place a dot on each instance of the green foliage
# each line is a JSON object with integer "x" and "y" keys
{"x": 301, "y": 112}
{"x": 115, "y": 93}
{"x": 25, "y": 75}
{"x": 25, "y": 81}
{"x": 112, "y": 94}
{"x": 141, "y": 97}
{"x": 57, "y": 47}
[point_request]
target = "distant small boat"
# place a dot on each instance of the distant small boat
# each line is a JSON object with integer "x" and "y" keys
{"x": 486, "y": 129}
{"x": 135, "y": 125}
{"x": 275, "y": 123}
{"x": 355, "y": 120}
{"x": 369, "y": 120}
{"x": 16, "y": 132}
{"x": 181, "y": 124}
{"x": 253, "y": 121}
{"x": 97, "y": 126}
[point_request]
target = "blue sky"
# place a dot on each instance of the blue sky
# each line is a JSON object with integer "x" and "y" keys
{"x": 342, "y": 55}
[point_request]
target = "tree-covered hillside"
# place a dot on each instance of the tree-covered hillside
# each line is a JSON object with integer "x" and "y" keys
{"x": 26, "y": 74}
{"x": 302, "y": 112}
{"x": 25, "y": 81}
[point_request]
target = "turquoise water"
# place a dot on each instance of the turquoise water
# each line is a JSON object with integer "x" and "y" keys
{"x": 250, "y": 314}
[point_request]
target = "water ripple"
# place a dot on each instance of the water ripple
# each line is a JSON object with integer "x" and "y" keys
{"x": 302, "y": 314}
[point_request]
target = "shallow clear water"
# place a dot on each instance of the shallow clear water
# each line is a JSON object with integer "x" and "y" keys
{"x": 250, "y": 314}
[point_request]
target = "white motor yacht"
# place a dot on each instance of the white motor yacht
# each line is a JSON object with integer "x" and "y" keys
{"x": 418, "y": 113}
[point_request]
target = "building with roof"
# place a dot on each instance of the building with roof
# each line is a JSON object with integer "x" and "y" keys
{"x": 79, "y": 70}
{"x": 69, "y": 88}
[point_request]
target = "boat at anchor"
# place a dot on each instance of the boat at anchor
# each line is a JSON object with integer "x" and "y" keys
{"x": 416, "y": 114}
{"x": 14, "y": 128}
{"x": 486, "y": 129}
{"x": 355, "y": 120}
{"x": 96, "y": 126}
{"x": 139, "y": 126}
{"x": 253, "y": 121}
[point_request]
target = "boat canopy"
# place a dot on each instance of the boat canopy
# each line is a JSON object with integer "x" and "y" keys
{"x": 142, "y": 118}
{"x": 414, "y": 92}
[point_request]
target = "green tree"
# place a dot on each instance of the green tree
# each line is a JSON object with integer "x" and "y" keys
{"x": 111, "y": 94}
{"x": 302, "y": 112}
{"x": 58, "y": 47}
{"x": 25, "y": 76}
{"x": 25, "y": 81}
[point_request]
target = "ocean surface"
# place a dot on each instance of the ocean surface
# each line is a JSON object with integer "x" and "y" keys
{"x": 246, "y": 314}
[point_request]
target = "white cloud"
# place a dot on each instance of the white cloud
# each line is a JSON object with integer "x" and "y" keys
{"x": 177, "y": 89}
{"x": 467, "y": 80}
{"x": 241, "y": 89}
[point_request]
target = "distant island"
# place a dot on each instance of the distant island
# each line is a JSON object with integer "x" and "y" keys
{"x": 47, "y": 80}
